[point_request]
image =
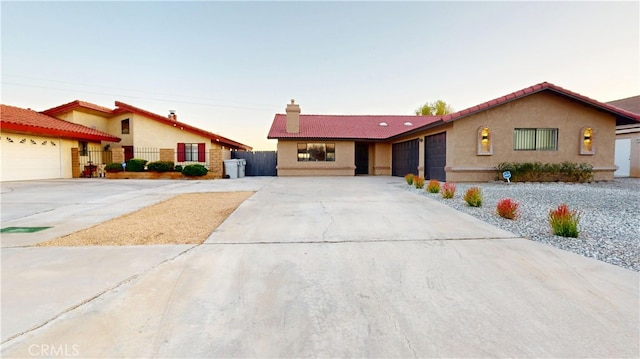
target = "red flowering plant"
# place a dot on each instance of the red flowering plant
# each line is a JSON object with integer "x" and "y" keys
{"x": 473, "y": 197}
{"x": 507, "y": 208}
{"x": 448, "y": 190}
{"x": 418, "y": 182}
{"x": 433, "y": 186}
{"x": 564, "y": 221}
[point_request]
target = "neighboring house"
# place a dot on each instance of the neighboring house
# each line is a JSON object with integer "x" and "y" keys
{"x": 101, "y": 135}
{"x": 544, "y": 123}
{"x": 628, "y": 140}
{"x": 142, "y": 130}
{"x": 37, "y": 146}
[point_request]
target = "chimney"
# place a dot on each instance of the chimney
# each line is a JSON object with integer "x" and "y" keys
{"x": 172, "y": 115}
{"x": 293, "y": 117}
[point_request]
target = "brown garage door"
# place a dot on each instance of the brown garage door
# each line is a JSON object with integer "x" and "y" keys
{"x": 405, "y": 158}
{"x": 435, "y": 156}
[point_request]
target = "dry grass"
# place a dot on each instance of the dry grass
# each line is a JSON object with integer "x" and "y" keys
{"x": 185, "y": 219}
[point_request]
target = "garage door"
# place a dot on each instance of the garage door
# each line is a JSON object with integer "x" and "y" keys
{"x": 435, "y": 156}
{"x": 405, "y": 158}
{"x": 30, "y": 157}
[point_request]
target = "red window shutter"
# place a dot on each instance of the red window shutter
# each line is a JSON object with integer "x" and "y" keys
{"x": 201, "y": 150}
{"x": 181, "y": 150}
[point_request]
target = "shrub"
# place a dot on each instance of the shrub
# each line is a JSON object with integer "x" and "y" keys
{"x": 136, "y": 165}
{"x": 418, "y": 182}
{"x": 433, "y": 186}
{"x": 564, "y": 221}
{"x": 178, "y": 168}
{"x": 194, "y": 170}
{"x": 546, "y": 172}
{"x": 448, "y": 190}
{"x": 409, "y": 178}
{"x": 113, "y": 167}
{"x": 507, "y": 208}
{"x": 473, "y": 197}
{"x": 160, "y": 166}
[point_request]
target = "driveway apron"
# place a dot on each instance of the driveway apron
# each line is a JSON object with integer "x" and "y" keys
{"x": 356, "y": 267}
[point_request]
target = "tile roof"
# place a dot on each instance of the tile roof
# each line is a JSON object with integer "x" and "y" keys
{"x": 623, "y": 116}
{"x": 631, "y": 104}
{"x": 78, "y": 105}
{"x": 16, "y": 119}
{"x": 367, "y": 126}
{"x": 356, "y": 127}
{"x": 125, "y": 108}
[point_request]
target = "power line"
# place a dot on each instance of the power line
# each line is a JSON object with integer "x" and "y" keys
{"x": 118, "y": 95}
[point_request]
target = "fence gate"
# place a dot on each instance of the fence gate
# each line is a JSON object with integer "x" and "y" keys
{"x": 259, "y": 163}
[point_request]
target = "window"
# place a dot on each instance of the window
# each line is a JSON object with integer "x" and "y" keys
{"x": 83, "y": 148}
{"x": 586, "y": 141}
{"x": 535, "y": 139}
{"x": 316, "y": 152}
{"x": 191, "y": 152}
{"x": 485, "y": 146}
{"x": 124, "y": 126}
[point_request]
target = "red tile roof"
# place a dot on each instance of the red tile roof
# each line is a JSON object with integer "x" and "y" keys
{"x": 80, "y": 106}
{"x": 631, "y": 104}
{"x": 126, "y": 108}
{"x": 365, "y": 127}
{"x": 15, "y": 119}
{"x": 622, "y": 116}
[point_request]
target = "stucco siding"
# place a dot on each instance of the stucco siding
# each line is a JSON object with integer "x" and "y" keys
{"x": 381, "y": 159}
{"x": 288, "y": 164}
{"x": 536, "y": 111}
{"x": 86, "y": 119}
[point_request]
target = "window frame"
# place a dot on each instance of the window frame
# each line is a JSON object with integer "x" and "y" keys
{"x": 188, "y": 151}
{"x": 127, "y": 127}
{"x": 535, "y": 142}
{"x": 316, "y": 151}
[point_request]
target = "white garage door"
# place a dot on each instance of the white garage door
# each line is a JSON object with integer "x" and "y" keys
{"x": 623, "y": 157}
{"x": 30, "y": 157}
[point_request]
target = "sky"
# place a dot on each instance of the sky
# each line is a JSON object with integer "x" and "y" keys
{"x": 229, "y": 67}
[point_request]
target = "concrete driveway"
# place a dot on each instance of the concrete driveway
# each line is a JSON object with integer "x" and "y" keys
{"x": 321, "y": 267}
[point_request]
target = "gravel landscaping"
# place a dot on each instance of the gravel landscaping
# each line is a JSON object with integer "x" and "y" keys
{"x": 609, "y": 223}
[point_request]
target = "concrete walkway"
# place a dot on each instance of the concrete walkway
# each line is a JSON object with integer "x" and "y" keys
{"x": 339, "y": 267}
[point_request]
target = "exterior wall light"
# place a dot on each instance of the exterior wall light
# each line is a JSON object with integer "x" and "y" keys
{"x": 586, "y": 145}
{"x": 484, "y": 144}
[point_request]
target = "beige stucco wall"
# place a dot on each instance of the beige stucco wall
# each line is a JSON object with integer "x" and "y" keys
{"x": 86, "y": 119}
{"x": 634, "y": 170}
{"x": 540, "y": 110}
{"x": 288, "y": 164}
{"x": 381, "y": 159}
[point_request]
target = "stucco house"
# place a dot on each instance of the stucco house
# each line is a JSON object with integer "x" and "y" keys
{"x": 544, "y": 123}
{"x": 127, "y": 131}
{"x": 628, "y": 140}
{"x": 37, "y": 146}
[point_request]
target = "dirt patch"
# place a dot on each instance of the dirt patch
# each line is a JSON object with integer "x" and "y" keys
{"x": 185, "y": 219}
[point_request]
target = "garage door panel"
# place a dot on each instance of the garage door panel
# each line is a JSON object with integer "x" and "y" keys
{"x": 405, "y": 158}
{"x": 29, "y": 157}
{"x": 435, "y": 156}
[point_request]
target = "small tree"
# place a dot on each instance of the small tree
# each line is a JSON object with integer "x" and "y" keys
{"x": 436, "y": 108}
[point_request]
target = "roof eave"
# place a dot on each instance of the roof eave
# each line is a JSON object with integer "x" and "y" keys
{"x": 34, "y": 130}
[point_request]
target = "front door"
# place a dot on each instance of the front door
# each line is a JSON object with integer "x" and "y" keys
{"x": 362, "y": 158}
{"x": 128, "y": 152}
